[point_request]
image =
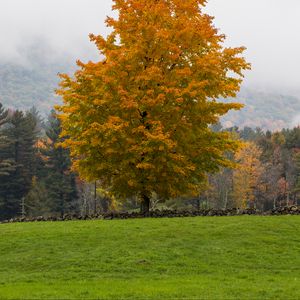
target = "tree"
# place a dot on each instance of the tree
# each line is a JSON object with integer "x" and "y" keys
{"x": 139, "y": 120}
{"x": 40, "y": 126}
{"x": 296, "y": 190}
{"x": 60, "y": 181}
{"x": 3, "y": 115}
{"x": 19, "y": 149}
{"x": 6, "y": 165}
{"x": 221, "y": 189}
{"x": 37, "y": 201}
{"x": 246, "y": 178}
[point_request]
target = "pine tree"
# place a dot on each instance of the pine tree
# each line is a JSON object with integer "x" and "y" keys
{"x": 139, "y": 120}
{"x": 6, "y": 165}
{"x": 40, "y": 126}
{"x": 60, "y": 181}
{"x": 37, "y": 201}
{"x": 20, "y": 149}
{"x": 3, "y": 115}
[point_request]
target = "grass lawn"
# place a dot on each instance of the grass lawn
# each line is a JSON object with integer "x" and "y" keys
{"x": 184, "y": 258}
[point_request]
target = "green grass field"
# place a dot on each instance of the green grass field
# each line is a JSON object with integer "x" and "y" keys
{"x": 184, "y": 258}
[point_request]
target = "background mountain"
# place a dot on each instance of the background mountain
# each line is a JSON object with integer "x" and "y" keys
{"x": 33, "y": 80}
{"x": 265, "y": 109}
{"x": 32, "y": 83}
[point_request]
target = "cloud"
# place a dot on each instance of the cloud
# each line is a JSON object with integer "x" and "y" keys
{"x": 270, "y": 31}
{"x": 63, "y": 24}
{"x": 268, "y": 28}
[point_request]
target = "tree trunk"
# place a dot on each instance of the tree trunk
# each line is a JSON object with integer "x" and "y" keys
{"x": 198, "y": 203}
{"x": 226, "y": 200}
{"x": 95, "y": 198}
{"x": 62, "y": 204}
{"x": 145, "y": 204}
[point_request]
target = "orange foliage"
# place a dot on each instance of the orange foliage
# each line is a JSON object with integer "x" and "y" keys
{"x": 139, "y": 119}
{"x": 246, "y": 178}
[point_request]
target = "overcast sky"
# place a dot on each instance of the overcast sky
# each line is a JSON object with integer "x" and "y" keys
{"x": 270, "y": 29}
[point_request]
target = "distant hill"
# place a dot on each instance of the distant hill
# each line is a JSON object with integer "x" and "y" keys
{"x": 268, "y": 110}
{"x": 33, "y": 84}
{"x": 23, "y": 87}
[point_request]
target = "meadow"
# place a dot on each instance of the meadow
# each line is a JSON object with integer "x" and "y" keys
{"x": 247, "y": 257}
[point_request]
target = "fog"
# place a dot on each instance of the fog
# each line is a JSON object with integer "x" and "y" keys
{"x": 270, "y": 29}
{"x": 63, "y": 25}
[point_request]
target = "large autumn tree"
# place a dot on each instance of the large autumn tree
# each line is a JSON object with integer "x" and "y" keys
{"x": 139, "y": 119}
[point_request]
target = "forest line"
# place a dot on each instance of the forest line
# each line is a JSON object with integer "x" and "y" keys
{"x": 36, "y": 178}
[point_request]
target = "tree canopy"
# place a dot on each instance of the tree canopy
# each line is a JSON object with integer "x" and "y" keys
{"x": 139, "y": 119}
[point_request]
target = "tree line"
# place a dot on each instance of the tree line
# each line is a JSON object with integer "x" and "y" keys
{"x": 267, "y": 173}
{"x": 36, "y": 177}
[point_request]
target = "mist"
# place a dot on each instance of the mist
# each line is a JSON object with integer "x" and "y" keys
{"x": 268, "y": 28}
{"x": 61, "y": 25}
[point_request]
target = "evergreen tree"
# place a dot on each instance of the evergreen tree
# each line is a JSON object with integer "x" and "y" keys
{"x": 37, "y": 202}
{"x": 19, "y": 148}
{"x": 6, "y": 166}
{"x": 60, "y": 180}
{"x": 40, "y": 125}
{"x": 3, "y": 115}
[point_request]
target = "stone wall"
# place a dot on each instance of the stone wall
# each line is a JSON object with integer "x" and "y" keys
{"x": 292, "y": 210}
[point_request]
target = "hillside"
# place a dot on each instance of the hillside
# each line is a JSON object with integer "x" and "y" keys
{"x": 33, "y": 80}
{"x": 268, "y": 110}
{"x": 211, "y": 258}
{"x": 23, "y": 86}
{"x": 33, "y": 84}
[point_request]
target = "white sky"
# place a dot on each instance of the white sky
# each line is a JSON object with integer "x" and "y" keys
{"x": 270, "y": 29}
